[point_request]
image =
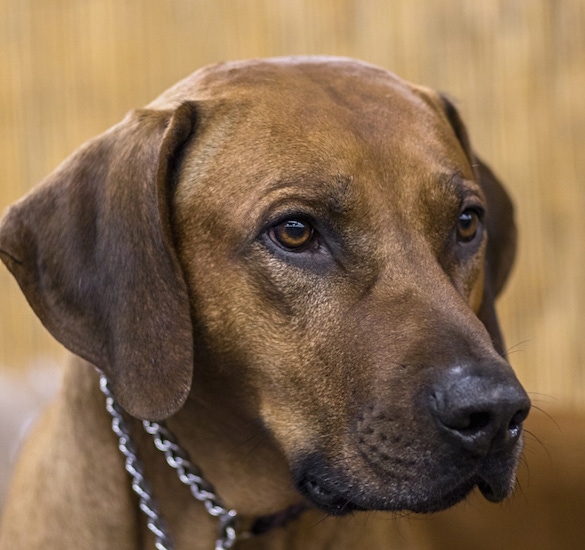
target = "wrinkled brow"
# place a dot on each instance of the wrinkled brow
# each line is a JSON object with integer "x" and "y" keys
{"x": 335, "y": 192}
{"x": 456, "y": 184}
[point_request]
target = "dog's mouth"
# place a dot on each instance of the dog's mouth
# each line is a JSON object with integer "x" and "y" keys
{"x": 335, "y": 503}
{"x": 329, "y": 500}
{"x": 335, "y": 495}
{"x": 491, "y": 492}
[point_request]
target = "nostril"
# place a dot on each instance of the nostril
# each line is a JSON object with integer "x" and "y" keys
{"x": 477, "y": 421}
{"x": 465, "y": 422}
{"x": 520, "y": 416}
{"x": 515, "y": 426}
{"x": 474, "y": 429}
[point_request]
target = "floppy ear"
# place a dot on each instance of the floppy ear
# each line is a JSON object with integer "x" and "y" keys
{"x": 92, "y": 249}
{"x": 502, "y": 234}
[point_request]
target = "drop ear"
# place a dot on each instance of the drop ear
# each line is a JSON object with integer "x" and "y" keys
{"x": 92, "y": 249}
{"x": 501, "y": 228}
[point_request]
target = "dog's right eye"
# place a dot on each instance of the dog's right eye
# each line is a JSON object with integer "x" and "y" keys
{"x": 468, "y": 225}
{"x": 293, "y": 235}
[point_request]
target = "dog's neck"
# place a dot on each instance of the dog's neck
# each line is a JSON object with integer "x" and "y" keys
{"x": 232, "y": 450}
{"x": 190, "y": 474}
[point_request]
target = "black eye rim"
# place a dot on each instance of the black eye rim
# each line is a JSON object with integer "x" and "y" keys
{"x": 309, "y": 243}
{"x": 474, "y": 224}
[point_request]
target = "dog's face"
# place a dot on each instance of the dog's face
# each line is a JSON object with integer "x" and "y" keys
{"x": 337, "y": 249}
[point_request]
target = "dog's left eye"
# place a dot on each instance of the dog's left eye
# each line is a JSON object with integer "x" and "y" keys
{"x": 468, "y": 225}
{"x": 293, "y": 235}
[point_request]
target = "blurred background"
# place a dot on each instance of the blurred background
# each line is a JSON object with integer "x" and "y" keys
{"x": 71, "y": 69}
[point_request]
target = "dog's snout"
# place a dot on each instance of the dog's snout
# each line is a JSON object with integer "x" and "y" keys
{"x": 479, "y": 412}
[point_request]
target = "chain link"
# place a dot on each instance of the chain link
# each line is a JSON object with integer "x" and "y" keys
{"x": 179, "y": 460}
{"x": 190, "y": 475}
{"x": 134, "y": 467}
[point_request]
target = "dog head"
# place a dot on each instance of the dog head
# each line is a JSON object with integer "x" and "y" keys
{"x": 317, "y": 237}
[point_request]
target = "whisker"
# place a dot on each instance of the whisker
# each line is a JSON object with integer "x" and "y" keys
{"x": 543, "y": 397}
{"x": 519, "y": 489}
{"x": 513, "y": 348}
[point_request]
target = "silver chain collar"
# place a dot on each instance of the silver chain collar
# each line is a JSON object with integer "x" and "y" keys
{"x": 187, "y": 472}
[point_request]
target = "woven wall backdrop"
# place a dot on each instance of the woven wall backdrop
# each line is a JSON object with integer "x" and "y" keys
{"x": 69, "y": 70}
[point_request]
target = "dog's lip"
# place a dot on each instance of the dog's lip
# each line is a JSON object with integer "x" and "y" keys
{"x": 335, "y": 503}
{"x": 337, "y": 498}
{"x": 337, "y": 492}
{"x": 489, "y": 493}
{"x": 494, "y": 490}
{"x": 328, "y": 500}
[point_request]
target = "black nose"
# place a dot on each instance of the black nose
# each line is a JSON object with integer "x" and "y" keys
{"x": 480, "y": 409}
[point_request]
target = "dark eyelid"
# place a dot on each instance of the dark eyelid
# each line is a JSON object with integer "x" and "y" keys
{"x": 293, "y": 212}
{"x": 474, "y": 205}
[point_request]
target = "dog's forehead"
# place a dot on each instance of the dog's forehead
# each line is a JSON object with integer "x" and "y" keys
{"x": 343, "y": 110}
{"x": 316, "y": 90}
{"x": 270, "y": 122}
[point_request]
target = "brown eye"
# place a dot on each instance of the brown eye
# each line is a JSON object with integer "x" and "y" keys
{"x": 292, "y": 235}
{"x": 468, "y": 225}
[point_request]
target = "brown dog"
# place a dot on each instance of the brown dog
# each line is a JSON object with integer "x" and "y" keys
{"x": 294, "y": 262}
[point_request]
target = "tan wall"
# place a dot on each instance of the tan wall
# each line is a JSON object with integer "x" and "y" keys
{"x": 71, "y": 68}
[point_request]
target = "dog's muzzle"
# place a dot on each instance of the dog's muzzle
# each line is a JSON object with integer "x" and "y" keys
{"x": 464, "y": 432}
